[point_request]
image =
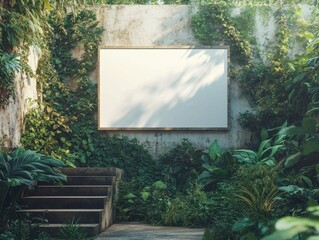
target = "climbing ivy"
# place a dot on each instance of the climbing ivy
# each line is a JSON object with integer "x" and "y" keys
{"x": 22, "y": 24}
{"x": 69, "y": 98}
{"x": 212, "y": 25}
{"x": 263, "y": 80}
{"x": 64, "y": 123}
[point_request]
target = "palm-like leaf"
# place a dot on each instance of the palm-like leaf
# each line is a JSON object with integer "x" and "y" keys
{"x": 24, "y": 167}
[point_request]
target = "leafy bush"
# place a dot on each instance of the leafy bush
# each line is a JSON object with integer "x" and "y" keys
{"x": 180, "y": 165}
{"x": 124, "y": 153}
{"x": 192, "y": 209}
{"x": 20, "y": 229}
{"x": 297, "y": 227}
{"x": 142, "y": 202}
{"x": 217, "y": 164}
{"x": 20, "y": 169}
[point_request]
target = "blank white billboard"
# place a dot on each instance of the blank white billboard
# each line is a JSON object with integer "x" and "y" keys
{"x": 163, "y": 88}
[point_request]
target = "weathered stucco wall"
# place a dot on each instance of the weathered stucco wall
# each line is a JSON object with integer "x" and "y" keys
{"x": 11, "y": 116}
{"x": 149, "y": 25}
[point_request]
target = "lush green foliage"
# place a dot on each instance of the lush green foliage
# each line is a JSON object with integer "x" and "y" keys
{"x": 9, "y": 64}
{"x": 23, "y": 230}
{"x": 269, "y": 81}
{"x": 181, "y": 165}
{"x": 238, "y": 194}
{"x": 67, "y": 132}
{"x": 20, "y": 169}
{"x": 17, "y": 19}
{"x": 293, "y": 227}
{"x": 212, "y": 25}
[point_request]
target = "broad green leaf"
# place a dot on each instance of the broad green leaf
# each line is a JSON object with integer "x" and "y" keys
{"x": 159, "y": 185}
{"x": 242, "y": 224}
{"x": 145, "y": 195}
{"x": 292, "y": 189}
{"x": 292, "y": 130}
{"x": 293, "y": 222}
{"x": 310, "y": 147}
{"x": 293, "y": 159}
{"x": 286, "y": 234}
{"x": 214, "y": 150}
{"x": 204, "y": 175}
{"x": 309, "y": 125}
{"x": 130, "y": 196}
{"x": 313, "y": 238}
{"x": 244, "y": 153}
{"x": 264, "y": 144}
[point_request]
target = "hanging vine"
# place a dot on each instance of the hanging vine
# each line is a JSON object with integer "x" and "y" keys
{"x": 264, "y": 83}
{"x": 212, "y": 26}
{"x": 22, "y": 24}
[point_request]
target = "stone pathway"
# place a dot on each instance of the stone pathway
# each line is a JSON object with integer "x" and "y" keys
{"x": 139, "y": 231}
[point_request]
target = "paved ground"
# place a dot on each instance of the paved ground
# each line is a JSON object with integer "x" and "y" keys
{"x": 139, "y": 231}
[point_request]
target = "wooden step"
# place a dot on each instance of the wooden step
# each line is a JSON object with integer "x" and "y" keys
{"x": 65, "y": 202}
{"x": 64, "y": 215}
{"x": 92, "y": 171}
{"x": 86, "y": 180}
{"x": 86, "y": 198}
{"x": 70, "y": 190}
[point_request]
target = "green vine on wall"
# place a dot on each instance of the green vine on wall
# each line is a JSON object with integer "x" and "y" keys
{"x": 22, "y": 24}
{"x": 212, "y": 26}
{"x": 264, "y": 83}
{"x": 69, "y": 98}
{"x": 64, "y": 124}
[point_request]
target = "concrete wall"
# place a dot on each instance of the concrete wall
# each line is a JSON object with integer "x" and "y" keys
{"x": 147, "y": 25}
{"x": 166, "y": 25}
{"x": 12, "y": 115}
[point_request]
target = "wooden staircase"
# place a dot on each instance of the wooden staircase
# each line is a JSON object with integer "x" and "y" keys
{"x": 87, "y": 197}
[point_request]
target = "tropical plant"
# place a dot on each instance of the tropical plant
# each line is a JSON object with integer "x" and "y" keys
{"x": 192, "y": 209}
{"x": 20, "y": 169}
{"x": 297, "y": 227}
{"x": 260, "y": 201}
{"x": 305, "y": 138}
{"x": 265, "y": 154}
{"x": 181, "y": 164}
{"x": 295, "y": 199}
{"x": 217, "y": 164}
{"x": 248, "y": 228}
{"x": 147, "y": 203}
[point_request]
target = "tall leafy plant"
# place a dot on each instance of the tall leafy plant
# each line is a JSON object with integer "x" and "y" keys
{"x": 22, "y": 168}
{"x": 305, "y": 138}
{"x": 217, "y": 164}
{"x": 264, "y": 155}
